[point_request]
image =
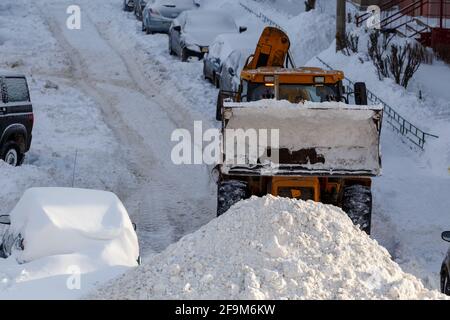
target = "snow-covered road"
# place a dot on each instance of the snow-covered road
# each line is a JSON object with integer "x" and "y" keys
{"x": 168, "y": 201}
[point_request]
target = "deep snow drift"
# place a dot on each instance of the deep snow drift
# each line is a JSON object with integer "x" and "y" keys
{"x": 272, "y": 248}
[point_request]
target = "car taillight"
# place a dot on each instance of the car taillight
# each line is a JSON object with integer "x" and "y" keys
{"x": 31, "y": 118}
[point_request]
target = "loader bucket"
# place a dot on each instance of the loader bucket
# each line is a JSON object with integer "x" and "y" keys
{"x": 330, "y": 138}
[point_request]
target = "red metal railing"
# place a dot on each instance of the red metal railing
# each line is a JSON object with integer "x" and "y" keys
{"x": 386, "y": 6}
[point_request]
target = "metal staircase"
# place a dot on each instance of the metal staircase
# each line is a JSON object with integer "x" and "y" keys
{"x": 401, "y": 21}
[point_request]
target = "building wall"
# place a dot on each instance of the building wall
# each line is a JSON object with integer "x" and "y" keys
{"x": 431, "y": 9}
{"x": 366, "y": 3}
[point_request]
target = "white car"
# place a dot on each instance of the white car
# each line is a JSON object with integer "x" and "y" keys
{"x": 50, "y": 222}
{"x": 221, "y": 48}
{"x": 159, "y": 14}
{"x": 191, "y": 34}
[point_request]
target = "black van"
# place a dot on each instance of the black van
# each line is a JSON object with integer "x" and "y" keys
{"x": 16, "y": 118}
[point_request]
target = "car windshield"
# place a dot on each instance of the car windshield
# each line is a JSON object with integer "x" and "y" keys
{"x": 294, "y": 93}
{"x": 210, "y": 23}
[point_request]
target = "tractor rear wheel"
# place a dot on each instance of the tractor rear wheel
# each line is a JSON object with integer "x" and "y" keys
{"x": 230, "y": 192}
{"x": 357, "y": 203}
{"x": 219, "y": 104}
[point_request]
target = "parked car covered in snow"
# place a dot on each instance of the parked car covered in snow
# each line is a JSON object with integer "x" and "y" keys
{"x": 16, "y": 119}
{"x": 139, "y": 6}
{"x": 191, "y": 34}
{"x": 59, "y": 221}
{"x": 445, "y": 270}
{"x": 159, "y": 14}
{"x": 128, "y": 5}
{"x": 221, "y": 48}
{"x": 231, "y": 69}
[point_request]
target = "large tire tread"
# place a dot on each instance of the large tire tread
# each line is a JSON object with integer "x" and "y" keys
{"x": 229, "y": 193}
{"x": 357, "y": 203}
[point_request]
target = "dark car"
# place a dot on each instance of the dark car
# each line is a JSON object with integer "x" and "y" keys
{"x": 16, "y": 119}
{"x": 191, "y": 34}
{"x": 139, "y": 6}
{"x": 128, "y": 5}
{"x": 445, "y": 270}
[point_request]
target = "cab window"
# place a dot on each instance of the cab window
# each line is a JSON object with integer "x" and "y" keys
{"x": 16, "y": 89}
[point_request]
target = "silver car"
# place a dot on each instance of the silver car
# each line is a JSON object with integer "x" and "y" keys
{"x": 191, "y": 34}
{"x": 159, "y": 14}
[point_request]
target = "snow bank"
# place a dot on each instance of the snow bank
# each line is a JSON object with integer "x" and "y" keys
{"x": 272, "y": 248}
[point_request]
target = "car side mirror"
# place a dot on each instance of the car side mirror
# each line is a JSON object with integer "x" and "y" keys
{"x": 231, "y": 71}
{"x": 5, "y": 219}
{"x": 242, "y": 29}
{"x": 177, "y": 28}
{"x": 446, "y": 236}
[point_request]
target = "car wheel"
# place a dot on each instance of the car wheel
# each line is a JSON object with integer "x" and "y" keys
{"x": 219, "y": 104}
{"x": 11, "y": 154}
{"x": 445, "y": 283}
{"x": 205, "y": 75}
{"x": 171, "y": 52}
{"x": 144, "y": 29}
{"x": 184, "y": 55}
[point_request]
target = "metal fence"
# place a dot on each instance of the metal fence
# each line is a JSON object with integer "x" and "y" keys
{"x": 260, "y": 15}
{"x": 403, "y": 127}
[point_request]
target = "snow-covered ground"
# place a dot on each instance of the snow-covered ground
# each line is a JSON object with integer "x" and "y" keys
{"x": 120, "y": 95}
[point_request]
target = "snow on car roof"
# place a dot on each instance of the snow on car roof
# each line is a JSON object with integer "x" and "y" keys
{"x": 211, "y": 18}
{"x": 244, "y": 42}
{"x": 63, "y": 220}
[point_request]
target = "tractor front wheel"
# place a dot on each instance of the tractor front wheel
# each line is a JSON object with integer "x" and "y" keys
{"x": 230, "y": 192}
{"x": 357, "y": 203}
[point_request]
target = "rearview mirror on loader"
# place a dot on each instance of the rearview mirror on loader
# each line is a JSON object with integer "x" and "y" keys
{"x": 360, "y": 93}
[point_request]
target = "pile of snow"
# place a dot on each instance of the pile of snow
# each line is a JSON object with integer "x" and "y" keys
{"x": 66, "y": 232}
{"x": 272, "y": 248}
